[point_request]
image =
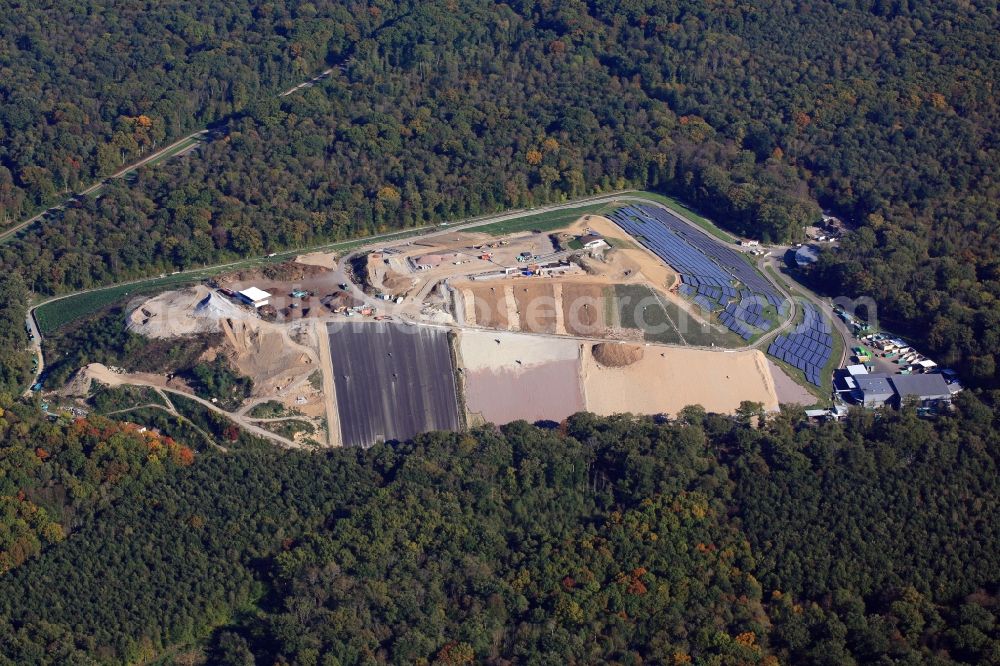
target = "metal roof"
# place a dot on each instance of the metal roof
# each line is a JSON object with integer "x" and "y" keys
{"x": 921, "y": 386}
{"x": 874, "y": 384}
{"x": 254, "y": 294}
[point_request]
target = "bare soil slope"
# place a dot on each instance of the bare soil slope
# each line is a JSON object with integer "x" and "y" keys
{"x": 667, "y": 379}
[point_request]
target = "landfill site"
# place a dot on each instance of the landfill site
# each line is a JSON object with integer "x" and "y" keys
{"x": 461, "y": 328}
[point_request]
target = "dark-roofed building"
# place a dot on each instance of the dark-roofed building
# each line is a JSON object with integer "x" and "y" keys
{"x": 881, "y": 388}
{"x": 874, "y": 390}
{"x": 929, "y": 390}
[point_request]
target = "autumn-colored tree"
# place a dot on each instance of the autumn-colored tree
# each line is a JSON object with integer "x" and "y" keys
{"x": 455, "y": 653}
{"x": 388, "y": 194}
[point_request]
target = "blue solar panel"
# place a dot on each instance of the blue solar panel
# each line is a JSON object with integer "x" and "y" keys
{"x": 693, "y": 253}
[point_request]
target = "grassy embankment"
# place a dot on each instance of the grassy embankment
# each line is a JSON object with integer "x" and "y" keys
{"x": 678, "y": 207}
{"x": 547, "y": 221}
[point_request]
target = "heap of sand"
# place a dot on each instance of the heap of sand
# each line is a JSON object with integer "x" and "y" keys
{"x": 395, "y": 283}
{"x": 266, "y": 353}
{"x": 666, "y": 379}
{"x": 616, "y": 355}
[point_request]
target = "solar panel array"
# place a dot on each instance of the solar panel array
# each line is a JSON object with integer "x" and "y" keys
{"x": 708, "y": 271}
{"x": 715, "y": 293}
{"x": 670, "y": 243}
{"x": 749, "y": 311}
{"x": 809, "y": 347}
{"x": 707, "y": 268}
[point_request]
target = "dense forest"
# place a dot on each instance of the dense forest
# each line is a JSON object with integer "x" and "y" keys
{"x": 87, "y": 87}
{"x": 704, "y": 539}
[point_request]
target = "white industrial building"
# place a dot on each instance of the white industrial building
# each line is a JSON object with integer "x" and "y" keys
{"x": 254, "y": 296}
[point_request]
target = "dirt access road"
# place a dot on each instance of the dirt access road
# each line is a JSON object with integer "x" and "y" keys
{"x": 105, "y": 375}
{"x": 333, "y": 429}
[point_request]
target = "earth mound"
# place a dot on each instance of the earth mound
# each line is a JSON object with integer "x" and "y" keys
{"x": 616, "y": 355}
{"x": 215, "y": 306}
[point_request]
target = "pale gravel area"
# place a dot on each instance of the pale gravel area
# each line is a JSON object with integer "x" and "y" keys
{"x": 789, "y": 391}
{"x": 480, "y": 349}
{"x": 184, "y": 312}
{"x": 522, "y": 377}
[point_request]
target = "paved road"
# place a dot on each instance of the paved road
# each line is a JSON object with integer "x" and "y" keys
{"x": 845, "y": 333}
{"x": 194, "y": 136}
{"x": 311, "y": 82}
{"x": 36, "y": 347}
